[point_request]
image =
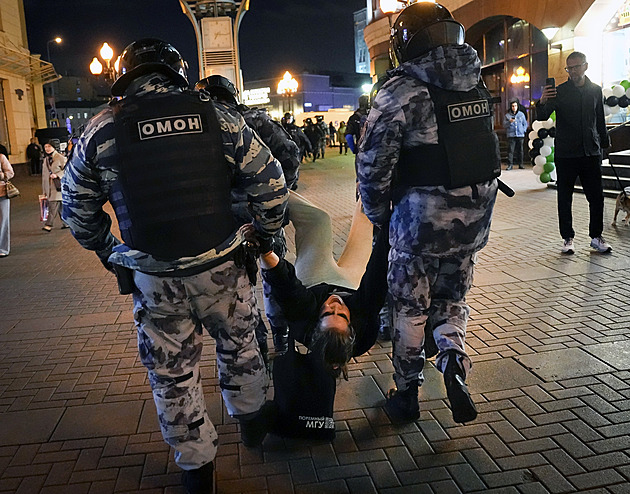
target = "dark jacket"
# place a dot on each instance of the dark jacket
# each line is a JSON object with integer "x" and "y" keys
{"x": 580, "y": 124}
{"x": 301, "y": 305}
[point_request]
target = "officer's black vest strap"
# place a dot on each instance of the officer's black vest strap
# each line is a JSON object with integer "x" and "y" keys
{"x": 467, "y": 151}
{"x": 174, "y": 179}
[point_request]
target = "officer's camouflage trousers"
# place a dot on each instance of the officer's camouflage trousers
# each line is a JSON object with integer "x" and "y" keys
{"x": 170, "y": 314}
{"x": 434, "y": 289}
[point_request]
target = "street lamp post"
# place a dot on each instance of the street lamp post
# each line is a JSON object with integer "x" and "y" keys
{"x": 57, "y": 40}
{"x": 108, "y": 70}
{"x": 53, "y": 113}
{"x": 287, "y": 87}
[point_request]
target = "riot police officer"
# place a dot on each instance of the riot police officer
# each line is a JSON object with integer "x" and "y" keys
{"x": 283, "y": 148}
{"x": 158, "y": 156}
{"x": 439, "y": 191}
{"x": 298, "y": 136}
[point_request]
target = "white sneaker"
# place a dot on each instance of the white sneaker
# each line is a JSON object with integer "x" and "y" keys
{"x": 567, "y": 246}
{"x": 600, "y": 244}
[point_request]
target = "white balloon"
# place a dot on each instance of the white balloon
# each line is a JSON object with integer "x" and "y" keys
{"x": 540, "y": 160}
{"x": 530, "y": 144}
{"x": 538, "y": 170}
{"x": 618, "y": 90}
{"x": 628, "y": 92}
{"x": 607, "y": 92}
{"x": 547, "y": 124}
{"x": 532, "y": 135}
{"x": 553, "y": 175}
{"x": 545, "y": 151}
{"x": 607, "y": 110}
{"x": 614, "y": 109}
{"x": 537, "y": 125}
{"x": 548, "y": 141}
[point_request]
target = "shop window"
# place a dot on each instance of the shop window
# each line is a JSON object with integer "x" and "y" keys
{"x": 4, "y": 123}
{"x": 539, "y": 41}
{"x": 495, "y": 45}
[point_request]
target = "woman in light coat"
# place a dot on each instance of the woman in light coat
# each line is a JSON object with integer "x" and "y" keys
{"x": 52, "y": 168}
{"x": 6, "y": 173}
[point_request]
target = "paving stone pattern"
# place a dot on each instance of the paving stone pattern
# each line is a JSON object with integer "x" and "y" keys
{"x": 548, "y": 337}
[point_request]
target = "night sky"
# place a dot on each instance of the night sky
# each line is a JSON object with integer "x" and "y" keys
{"x": 275, "y": 35}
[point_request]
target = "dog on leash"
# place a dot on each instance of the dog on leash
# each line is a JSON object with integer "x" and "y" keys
{"x": 622, "y": 204}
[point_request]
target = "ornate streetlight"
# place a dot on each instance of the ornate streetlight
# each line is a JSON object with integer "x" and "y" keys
{"x": 108, "y": 70}
{"x": 287, "y": 87}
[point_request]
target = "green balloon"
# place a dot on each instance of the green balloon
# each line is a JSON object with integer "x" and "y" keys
{"x": 553, "y": 116}
{"x": 545, "y": 177}
{"x": 550, "y": 158}
{"x": 548, "y": 167}
{"x": 625, "y": 83}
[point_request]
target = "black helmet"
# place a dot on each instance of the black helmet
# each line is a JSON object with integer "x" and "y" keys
{"x": 218, "y": 87}
{"x": 421, "y": 27}
{"x": 309, "y": 121}
{"x": 149, "y": 55}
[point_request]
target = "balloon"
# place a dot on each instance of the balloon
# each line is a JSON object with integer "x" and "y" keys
{"x": 548, "y": 167}
{"x": 542, "y": 133}
{"x": 537, "y": 143}
{"x": 545, "y": 177}
{"x": 547, "y": 124}
{"x": 540, "y": 160}
{"x": 612, "y": 101}
{"x": 545, "y": 151}
{"x": 553, "y": 116}
{"x": 607, "y": 92}
{"x": 550, "y": 158}
{"x": 548, "y": 141}
{"x": 532, "y": 135}
{"x": 552, "y": 132}
{"x": 607, "y": 110}
{"x": 625, "y": 83}
{"x": 538, "y": 169}
{"x": 614, "y": 109}
{"x": 530, "y": 144}
{"x": 554, "y": 175}
{"x": 533, "y": 152}
{"x": 537, "y": 125}
{"x": 618, "y": 91}
{"x": 624, "y": 102}
{"x": 628, "y": 93}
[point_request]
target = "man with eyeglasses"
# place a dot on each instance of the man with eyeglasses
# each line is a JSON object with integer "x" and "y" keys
{"x": 580, "y": 137}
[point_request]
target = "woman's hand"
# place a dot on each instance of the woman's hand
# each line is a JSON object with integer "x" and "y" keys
{"x": 53, "y": 175}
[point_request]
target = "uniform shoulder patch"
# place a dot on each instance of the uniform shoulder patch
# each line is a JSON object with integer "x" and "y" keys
{"x": 469, "y": 109}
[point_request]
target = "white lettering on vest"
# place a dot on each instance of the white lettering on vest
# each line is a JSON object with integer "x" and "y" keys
{"x": 170, "y": 126}
{"x": 468, "y": 110}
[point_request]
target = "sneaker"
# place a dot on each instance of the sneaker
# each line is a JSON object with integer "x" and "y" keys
{"x": 462, "y": 406}
{"x": 600, "y": 244}
{"x": 199, "y": 480}
{"x": 567, "y": 246}
{"x": 402, "y": 406}
{"x": 508, "y": 168}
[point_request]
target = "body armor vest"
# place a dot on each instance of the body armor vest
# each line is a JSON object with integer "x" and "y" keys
{"x": 174, "y": 179}
{"x": 467, "y": 151}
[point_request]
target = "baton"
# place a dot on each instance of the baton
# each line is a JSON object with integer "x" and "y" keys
{"x": 505, "y": 188}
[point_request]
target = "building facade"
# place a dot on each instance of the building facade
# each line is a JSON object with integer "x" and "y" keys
{"x": 522, "y": 42}
{"x": 22, "y": 108}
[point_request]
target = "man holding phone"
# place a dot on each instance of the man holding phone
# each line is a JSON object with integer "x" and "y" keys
{"x": 580, "y": 137}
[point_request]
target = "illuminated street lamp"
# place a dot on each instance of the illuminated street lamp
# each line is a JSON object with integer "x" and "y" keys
{"x": 108, "y": 70}
{"x": 288, "y": 87}
{"x": 57, "y": 40}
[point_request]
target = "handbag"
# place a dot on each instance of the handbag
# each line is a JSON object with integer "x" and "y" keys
{"x": 12, "y": 190}
{"x": 304, "y": 396}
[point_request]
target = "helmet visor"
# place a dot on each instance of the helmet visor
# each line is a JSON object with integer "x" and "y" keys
{"x": 440, "y": 33}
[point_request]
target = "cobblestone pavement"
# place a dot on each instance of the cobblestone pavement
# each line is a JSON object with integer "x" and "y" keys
{"x": 548, "y": 338}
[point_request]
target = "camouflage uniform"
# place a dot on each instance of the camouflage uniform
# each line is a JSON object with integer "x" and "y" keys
{"x": 435, "y": 232}
{"x": 170, "y": 310}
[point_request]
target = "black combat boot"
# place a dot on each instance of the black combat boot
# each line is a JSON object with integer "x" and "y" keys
{"x": 402, "y": 406}
{"x": 280, "y": 338}
{"x": 462, "y": 406}
{"x": 199, "y": 480}
{"x": 255, "y": 426}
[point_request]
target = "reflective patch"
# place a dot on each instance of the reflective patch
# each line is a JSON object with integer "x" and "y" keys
{"x": 169, "y": 126}
{"x": 468, "y": 110}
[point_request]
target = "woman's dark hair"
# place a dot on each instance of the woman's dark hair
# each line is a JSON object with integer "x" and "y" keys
{"x": 335, "y": 347}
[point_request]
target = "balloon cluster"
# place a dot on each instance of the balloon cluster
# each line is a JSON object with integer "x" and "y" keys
{"x": 616, "y": 97}
{"x": 541, "y": 148}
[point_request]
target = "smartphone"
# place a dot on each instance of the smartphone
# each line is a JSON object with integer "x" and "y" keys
{"x": 550, "y": 81}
